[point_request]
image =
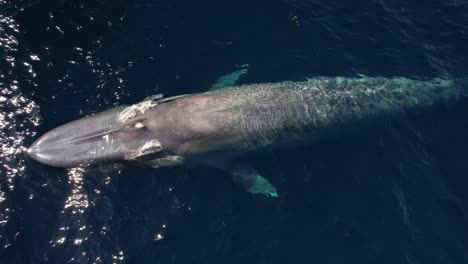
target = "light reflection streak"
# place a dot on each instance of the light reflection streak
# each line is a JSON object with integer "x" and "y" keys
{"x": 18, "y": 115}
{"x": 77, "y": 202}
{"x": 84, "y": 221}
{"x": 73, "y": 231}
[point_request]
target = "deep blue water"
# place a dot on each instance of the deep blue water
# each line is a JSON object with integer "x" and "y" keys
{"x": 394, "y": 193}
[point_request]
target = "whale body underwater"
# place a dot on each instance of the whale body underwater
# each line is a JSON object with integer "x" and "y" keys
{"x": 214, "y": 128}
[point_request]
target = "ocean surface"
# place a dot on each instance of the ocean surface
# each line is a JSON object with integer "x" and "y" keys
{"x": 396, "y": 192}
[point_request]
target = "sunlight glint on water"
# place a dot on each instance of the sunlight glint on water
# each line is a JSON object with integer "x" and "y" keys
{"x": 18, "y": 114}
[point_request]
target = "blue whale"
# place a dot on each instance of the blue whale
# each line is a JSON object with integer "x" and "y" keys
{"x": 214, "y": 128}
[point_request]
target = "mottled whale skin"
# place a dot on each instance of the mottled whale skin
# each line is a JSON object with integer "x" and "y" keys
{"x": 216, "y": 127}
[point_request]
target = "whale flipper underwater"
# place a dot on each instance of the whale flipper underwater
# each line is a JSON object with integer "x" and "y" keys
{"x": 217, "y": 127}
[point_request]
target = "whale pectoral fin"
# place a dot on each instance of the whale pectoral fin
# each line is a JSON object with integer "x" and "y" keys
{"x": 252, "y": 181}
{"x": 229, "y": 79}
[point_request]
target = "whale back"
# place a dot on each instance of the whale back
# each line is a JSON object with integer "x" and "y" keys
{"x": 255, "y": 116}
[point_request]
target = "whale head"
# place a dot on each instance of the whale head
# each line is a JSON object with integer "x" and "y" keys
{"x": 115, "y": 135}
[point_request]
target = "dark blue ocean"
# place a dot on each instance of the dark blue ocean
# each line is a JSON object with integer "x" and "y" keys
{"x": 396, "y": 192}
